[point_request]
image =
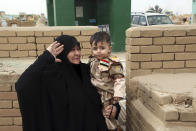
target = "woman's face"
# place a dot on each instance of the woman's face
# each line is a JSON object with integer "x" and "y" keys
{"x": 74, "y": 55}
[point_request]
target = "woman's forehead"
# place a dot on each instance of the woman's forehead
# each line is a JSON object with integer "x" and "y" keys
{"x": 76, "y": 46}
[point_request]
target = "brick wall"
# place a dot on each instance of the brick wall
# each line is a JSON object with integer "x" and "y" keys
{"x": 154, "y": 57}
{"x": 161, "y": 49}
{"x": 10, "y": 119}
{"x": 28, "y": 42}
{"x": 32, "y": 41}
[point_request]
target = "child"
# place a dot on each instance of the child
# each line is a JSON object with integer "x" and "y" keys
{"x": 106, "y": 74}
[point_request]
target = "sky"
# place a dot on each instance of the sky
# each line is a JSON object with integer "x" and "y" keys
{"x": 177, "y": 6}
{"x": 27, "y": 6}
{"x": 39, "y": 6}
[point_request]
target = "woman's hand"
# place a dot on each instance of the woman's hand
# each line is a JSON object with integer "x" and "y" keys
{"x": 110, "y": 111}
{"x": 55, "y": 48}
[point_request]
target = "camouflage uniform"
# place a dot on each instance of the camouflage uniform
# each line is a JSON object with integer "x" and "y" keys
{"x": 105, "y": 76}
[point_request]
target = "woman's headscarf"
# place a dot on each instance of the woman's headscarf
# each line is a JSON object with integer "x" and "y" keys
{"x": 69, "y": 43}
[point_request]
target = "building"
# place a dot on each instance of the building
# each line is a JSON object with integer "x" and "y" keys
{"x": 115, "y": 13}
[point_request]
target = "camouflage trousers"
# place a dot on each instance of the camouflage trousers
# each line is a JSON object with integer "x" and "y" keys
{"x": 107, "y": 99}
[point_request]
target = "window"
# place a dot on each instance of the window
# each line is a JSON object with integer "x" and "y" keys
{"x": 158, "y": 20}
{"x": 142, "y": 21}
{"x": 135, "y": 19}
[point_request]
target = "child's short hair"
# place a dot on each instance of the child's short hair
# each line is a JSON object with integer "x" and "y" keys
{"x": 101, "y": 36}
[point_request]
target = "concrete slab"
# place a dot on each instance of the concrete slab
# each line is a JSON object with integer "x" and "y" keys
{"x": 18, "y": 65}
{"x": 173, "y": 84}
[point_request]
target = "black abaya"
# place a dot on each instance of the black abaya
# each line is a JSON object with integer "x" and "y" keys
{"x": 55, "y": 97}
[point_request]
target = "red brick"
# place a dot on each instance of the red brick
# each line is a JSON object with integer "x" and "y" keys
{"x": 18, "y": 121}
{"x": 173, "y": 64}
{"x": 25, "y": 33}
{"x": 140, "y": 57}
{"x": 26, "y": 46}
{"x": 8, "y": 96}
{"x": 185, "y": 56}
{"x": 164, "y": 40}
{"x": 10, "y": 128}
{"x": 33, "y": 53}
{"x": 83, "y": 38}
{"x": 5, "y": 87}
{"x": 89, "y": 32}
{"x": 174, "y": 33}
{"x": 151, "y": 65}
{"x": 151, "y": 33}
{"x": 71, "y": 32}
{"x": 10, "y": 112}
{"x": 3, "y": 40}
{"x": 15, "y": 104}
{"x": 173, "y": 48}
{"x": 191, "y": 63}
{"x": 186, "y": 40}
{"x": 5, "y": 104}
{"x": 40, "y": 47}
{"x": 139, "y": 41}
{"x": 151, "y": 49}
{"x": 162, "y": 56}
{"x": 4, "y": 54}
{"x": 40, "y": 52}
{"x": 6, "y": 121}
{"x": 7, "y": 33}
{"x": 52, "y": 33}
{"x": 38, "y": 33}
{"x": 86, "y": 45}
{"x": 85, "y": 51}
{"x": 133, "y": 49}
{"x": 17, "y": 40}
{"x": 31, "y": 39}
{"x": 8, "y": 47}
{"x": 44, "y": 40}
{"x": 19, "y": 53}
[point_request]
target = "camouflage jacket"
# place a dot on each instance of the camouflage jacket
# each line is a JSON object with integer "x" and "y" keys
{"x": 107, "y": 75}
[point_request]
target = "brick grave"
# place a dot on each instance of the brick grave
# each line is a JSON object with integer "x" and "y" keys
{"x": 17, "y": 42}
{"x": 161, "y": 102}
{"x": 157, "y": 102}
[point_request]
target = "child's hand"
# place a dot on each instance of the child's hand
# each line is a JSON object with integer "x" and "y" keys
{"x": 110, "y": 111}
{"x": 117, "y": 76}
{"x": 55, "y": 49}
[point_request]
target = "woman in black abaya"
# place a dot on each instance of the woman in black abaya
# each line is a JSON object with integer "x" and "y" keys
{"x": 55, "y": 92}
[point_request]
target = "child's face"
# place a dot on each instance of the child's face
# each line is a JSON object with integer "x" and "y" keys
{"x": 101, "y": 50}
